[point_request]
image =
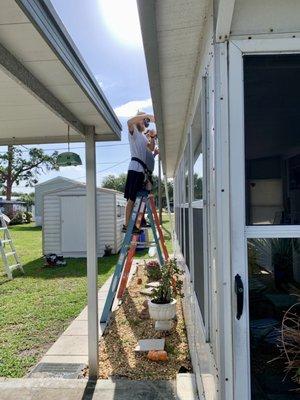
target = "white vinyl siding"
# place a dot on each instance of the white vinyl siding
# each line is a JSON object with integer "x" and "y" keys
{"x": 109, "y": 226}
{"x": 58, "y": 183}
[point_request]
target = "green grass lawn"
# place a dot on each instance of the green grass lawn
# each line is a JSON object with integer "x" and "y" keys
{"x": 37, "y": 307}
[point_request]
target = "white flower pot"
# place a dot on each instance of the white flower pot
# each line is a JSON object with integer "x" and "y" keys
{"x": 162, "y": 314}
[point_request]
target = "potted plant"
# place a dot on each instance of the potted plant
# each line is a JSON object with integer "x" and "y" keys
{"x": 107, "y": 250}
{"x": 162, "y": 306}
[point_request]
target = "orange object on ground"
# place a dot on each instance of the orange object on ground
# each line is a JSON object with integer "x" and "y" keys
{"x": 157, "y": 355}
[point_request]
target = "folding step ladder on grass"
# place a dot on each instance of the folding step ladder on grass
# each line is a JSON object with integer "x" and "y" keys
{"x": 11, "y": 254}
{"x": 144, "y": 203}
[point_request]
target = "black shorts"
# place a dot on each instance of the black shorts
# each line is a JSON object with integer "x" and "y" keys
{"x": 134, "y": 183}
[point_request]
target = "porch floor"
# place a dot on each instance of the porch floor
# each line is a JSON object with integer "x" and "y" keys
{"x": 74, "y": 389}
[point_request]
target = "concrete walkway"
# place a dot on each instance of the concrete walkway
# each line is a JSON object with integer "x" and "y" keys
{"x": 74, "y": 389}
{"x": 72, "y": 345}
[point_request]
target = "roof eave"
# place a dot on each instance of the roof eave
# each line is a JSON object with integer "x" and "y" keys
{"x": 43, "y": 16}
{"x": 147, "y": 15}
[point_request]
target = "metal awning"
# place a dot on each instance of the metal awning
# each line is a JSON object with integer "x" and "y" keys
{"x": 172, "y": 34}
{"x": 44, "y": 83}
{"x": 44, "y": 87}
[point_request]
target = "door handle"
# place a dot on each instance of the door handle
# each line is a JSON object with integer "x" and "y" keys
{"x": 239, "y": 291}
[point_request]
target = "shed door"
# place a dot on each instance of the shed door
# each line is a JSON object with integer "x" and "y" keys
{"x": 73, "y": 229}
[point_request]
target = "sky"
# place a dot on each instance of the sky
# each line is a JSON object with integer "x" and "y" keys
{"x": 107, "y": 34}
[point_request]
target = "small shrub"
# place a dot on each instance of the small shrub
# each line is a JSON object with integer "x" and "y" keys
{"x": 18, "y": 218}
{"x": 153, "y": 271}
{"x": 28, "y": 217}
{"x": 170, "y": 284}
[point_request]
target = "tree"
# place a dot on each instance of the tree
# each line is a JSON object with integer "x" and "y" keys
{"x": 28, "y": 198}
{"x": 163, "y": 195}
{"x": 115, "y": 182}
{"x": 14, "y": 168}
{"x": 197, "y": 187}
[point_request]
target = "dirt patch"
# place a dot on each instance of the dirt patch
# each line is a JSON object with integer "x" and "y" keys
{"x": 117, "y": 355}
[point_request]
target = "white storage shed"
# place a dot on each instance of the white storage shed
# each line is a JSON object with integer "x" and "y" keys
{"x": 64, "y": 226}
{"x": 59, "y": 182}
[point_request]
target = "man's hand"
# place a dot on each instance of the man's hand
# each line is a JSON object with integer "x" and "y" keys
{"x": 152, "y": 133}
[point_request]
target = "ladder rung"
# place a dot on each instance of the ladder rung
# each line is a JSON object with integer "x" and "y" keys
{"x": 11, "y": 253}
{"x": 15, "y": 266}
{"x": 6, "y": 241}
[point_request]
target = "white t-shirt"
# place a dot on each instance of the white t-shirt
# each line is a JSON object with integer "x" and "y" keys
{"x": 138, "y": 146}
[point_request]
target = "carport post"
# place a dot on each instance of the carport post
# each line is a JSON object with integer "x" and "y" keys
{"x": 92, "y": 264}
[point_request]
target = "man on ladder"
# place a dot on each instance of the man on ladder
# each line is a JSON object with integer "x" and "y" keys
{"x": 141, "y": 148}
{"x": 139, "y": 201}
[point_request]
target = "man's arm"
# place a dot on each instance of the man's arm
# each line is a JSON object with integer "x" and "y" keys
{"x": 151, "y": 144}
{"x": 151, "y": 135}
{"x": 137, "y": 119}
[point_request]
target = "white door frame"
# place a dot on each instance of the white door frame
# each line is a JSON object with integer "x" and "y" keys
{"x": 239, "y": 231}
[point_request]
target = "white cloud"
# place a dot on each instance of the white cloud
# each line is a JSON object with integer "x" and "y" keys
{"x": 129, "y": 109}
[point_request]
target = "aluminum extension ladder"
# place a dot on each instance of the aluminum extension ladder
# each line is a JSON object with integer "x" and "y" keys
{"x": 144, "y": 202}
{"x": 6, "y": 241}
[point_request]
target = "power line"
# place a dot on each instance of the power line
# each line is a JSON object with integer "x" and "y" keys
{"x": 81, "y": 177}
{"x": 73, "y": 148}
{"x": 106, "y": 169}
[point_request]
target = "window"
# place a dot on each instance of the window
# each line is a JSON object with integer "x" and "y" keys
{"x": 272, "y": 120}
{"x": 199, "y": 277}
{"x": 198, "y": 174}
{"x": 197, "y": 212}
{"x": 274, "y": 290}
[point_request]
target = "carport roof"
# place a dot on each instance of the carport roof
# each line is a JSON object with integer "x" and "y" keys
{"x": 44, "y": 83}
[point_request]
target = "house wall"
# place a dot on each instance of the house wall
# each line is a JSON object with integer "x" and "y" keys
{"x": 109, "y": 232}
{"x": 265, "y": 16}
{"x": 202, "y": 310}
{"x": 211, "y": 326}
{"x": 43, "y": 188}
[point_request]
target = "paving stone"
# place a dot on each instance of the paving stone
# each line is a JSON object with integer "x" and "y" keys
{"x": 147, "y": 291}
{"x": 69, "y": 345}
{"x": 58, "y": 370}
{"x": 65, "y": 359}
{"x": 186, "y": 387}
{"x": 83, "y": 315}
{"x": 152, "y": 284}
{"x": 150, "y": 344}
{"x": 77, "y": 328}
